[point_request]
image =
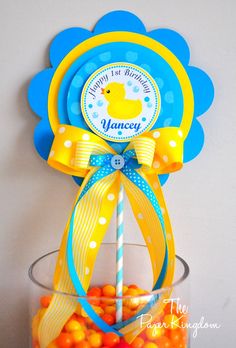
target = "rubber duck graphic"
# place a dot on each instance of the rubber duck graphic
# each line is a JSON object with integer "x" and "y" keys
{"x": 118, "y": 106}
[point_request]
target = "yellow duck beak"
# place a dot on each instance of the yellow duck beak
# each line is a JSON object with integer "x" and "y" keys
{"x": 102, "y": 90}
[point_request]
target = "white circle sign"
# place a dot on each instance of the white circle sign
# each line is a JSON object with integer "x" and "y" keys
{"x": 120, "y": 101}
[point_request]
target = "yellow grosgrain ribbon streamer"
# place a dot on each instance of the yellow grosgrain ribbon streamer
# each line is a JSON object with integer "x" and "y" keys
{"x": 158, "y": 152}
{"x": 130, "y": 331}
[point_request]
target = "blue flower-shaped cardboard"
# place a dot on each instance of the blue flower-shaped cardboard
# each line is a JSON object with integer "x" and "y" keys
{"x": 121, "y": 21}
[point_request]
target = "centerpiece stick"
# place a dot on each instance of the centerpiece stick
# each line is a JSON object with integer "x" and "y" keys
{"x": 119, "y": 252}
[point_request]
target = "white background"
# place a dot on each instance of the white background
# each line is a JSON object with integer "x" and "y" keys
{"x": 36, "y": 200}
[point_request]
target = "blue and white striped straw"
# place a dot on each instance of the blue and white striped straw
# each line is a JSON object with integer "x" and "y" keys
{"x": 119, "y": 252}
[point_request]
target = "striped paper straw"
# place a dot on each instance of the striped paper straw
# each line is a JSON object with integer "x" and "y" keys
{"x": 119, "y": 252}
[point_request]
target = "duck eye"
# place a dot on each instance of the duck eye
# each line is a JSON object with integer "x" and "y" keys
{"x": 108, "y": 91}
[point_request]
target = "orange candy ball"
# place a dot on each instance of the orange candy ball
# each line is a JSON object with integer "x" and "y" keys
{"x": 81, "y": 320}
{"x": 150, "y": 345}
{"x": 82, "y": 344}
{"x": 124, "y": 289}
{"x": 154, "y": 333}
{"x": 109, "y": 291}
{"x": 164, "y": 342}
{"x": 64, "y": 340}
{"x": 126, "y": 313}
{"x": 175, "y": 336}
{"x": 110, "y": 309}
{"x": 183, "y": 320}
{"x": 45, "y": 301}
{"x": 52, "y": 345}
{"x": 170, "y": 308}
{"x": 181, "y": 344}
{"x": 138, "y": 342}
{"x": 73, "y": 325}
{"x": 95, "y": 340}
{"x": 108, "y": 318}
{"x": 133, "y": 286}
{"x": 36, "y": 345}
{"x": 132, "y": 292}
{"x": 110, "y": 339}
{"x": 171, "y": 321}
{"x": 109, "y": 302}
{"x": 94, "y": 292}
{"x": 78, "y": 336}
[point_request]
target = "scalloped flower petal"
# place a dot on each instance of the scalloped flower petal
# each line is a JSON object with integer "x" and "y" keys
{"x": 119, "y": 21}
{"x": 38, "y": 92}
{"x": 65, "y": 41}
{"x": 43, "y": 138}
{"x": 194, "y": 141}
{"x": 203, "y": 90}
{"x": 173, "y": 41}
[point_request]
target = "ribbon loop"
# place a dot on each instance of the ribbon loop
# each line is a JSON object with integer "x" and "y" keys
{"x": 144, "y": 148}
{"x": 100, "y": 160}
{"x": 168, "y": 156}
{"x": 72, "y": 148}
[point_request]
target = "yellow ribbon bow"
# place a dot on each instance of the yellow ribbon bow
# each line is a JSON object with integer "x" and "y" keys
{"x": 157, "y": 152}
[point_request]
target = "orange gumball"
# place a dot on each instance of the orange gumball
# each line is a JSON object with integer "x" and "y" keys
{"x": 95, "y": 340}
{"x": 138, "y": 342}
{"x": 74, "y": 317}
{"x": 81, "y": 320}
{"x": 126, "y": 313}
{"x": 78, "y": 336}
{"x": 110, "y": 309}
{"x": 35, "y": 344}
{"x": 94, "y": 327}
{"x": 175, "y": 336}
{"x": 164, "y": 342}
{"x": 150, "y": 345}
{"x": 171, "y": 308}
{"x": 82, "y": 344}
{"x": 108, "y": 318}
{"x": 109, "y": 291}
{"x": 183, "y": 320}
{"x": 52, "y": 345}
{"x": 94, "y": 302}
{"x": 181, "y": 344}
{"x": 64, "y": 340}
{"x": 73, "y": 325}
{"x": 103, "y": 304}
{"x": 171, "y": 321}
{"x": 110, "y": 339}
{"x": 95, "y": 292}
{"x": 153, "y": 333}
{"x": 133, "y": 286}
{"x": 184, "y": 333}
{"x": 45, "y": 301}
{"x": 132, "y": 292}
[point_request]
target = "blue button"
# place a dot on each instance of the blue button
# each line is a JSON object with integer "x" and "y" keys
{"x": 117, "y": 162}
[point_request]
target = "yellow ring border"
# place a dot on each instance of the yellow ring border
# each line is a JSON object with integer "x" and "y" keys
{"x": 97, "y": 72}
{"x": 123, "y": 36}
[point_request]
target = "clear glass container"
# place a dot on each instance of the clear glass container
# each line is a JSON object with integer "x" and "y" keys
{"x": 163, "y": 325}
